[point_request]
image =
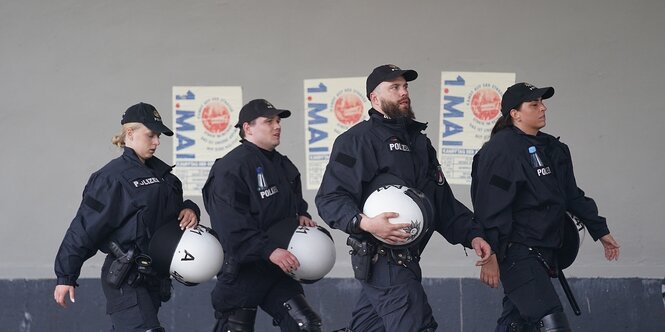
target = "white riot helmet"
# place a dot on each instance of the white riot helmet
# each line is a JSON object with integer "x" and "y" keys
{"x": 409, "y": 203}
{"x": 191, "y": 256}
{"x": 315, "y": 250}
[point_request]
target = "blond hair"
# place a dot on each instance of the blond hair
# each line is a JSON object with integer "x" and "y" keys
{"x": 119, "y": 139}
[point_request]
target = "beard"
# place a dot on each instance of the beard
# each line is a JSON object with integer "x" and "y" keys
{"x": 393, "y": 111}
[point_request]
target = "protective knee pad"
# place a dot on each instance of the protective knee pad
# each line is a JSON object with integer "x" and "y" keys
{"x": 303, "y": 314}
{"x": 556, "y": 322}
{"x": 157, "y": 329}
{"x": 241, "y": 320}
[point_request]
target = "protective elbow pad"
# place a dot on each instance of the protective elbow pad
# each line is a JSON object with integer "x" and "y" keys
{"x": 556, "y": 322}
{"x": 303, "y": 314}
{"x": 241, "y": 320}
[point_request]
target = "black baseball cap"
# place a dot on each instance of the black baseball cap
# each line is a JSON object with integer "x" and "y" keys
{"x": 258, "y": 108}
{"x": 521, "y": 92}
{"x": 147, "y": 115}
{"x": 387, "y": 73}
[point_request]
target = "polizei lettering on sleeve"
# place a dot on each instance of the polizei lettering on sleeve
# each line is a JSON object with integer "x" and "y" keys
{"x": 397, "y": 146}
{"x": 145, "y": 182}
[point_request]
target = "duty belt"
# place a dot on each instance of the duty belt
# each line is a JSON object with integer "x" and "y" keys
{"x": 399, "y": 256}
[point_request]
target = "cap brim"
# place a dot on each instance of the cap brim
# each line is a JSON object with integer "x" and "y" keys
{"x": 159, "y": 127}
{"x": 281, "y": 113}
{"x": 409, "y": 75}
{"x": 541, "y": 93}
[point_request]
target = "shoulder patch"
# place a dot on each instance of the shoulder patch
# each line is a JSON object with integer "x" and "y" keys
{"x": 499, "y": 182}
{"x": 93, "y": 204}
{"x": 345, "y": 160}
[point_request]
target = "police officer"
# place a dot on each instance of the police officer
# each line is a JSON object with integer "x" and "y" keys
{"x": 123, "y": 204}
{"x": 252, "y": 192}
{"x": 523, "y": 184}
{"x": 391, "y": 144}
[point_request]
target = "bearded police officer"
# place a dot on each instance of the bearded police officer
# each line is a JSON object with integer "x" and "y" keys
{"x": 252, "y": 192}
{"x": 390, "y": 147}
{"x": 522, "y": 186}
{"x": 123, "y": 204}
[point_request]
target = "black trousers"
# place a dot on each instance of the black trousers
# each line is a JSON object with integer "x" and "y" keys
{"x": 132, "y": 309}
{"x": 393, "y": 299}
{"x": 527, "y": 286}
{"x": 257, "y": 285}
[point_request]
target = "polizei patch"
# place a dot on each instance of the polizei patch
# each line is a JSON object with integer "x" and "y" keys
{"x": 145, "y": 182}
{"x": 397, "y": 146}
{"x": 269, "y": 192}
{"x": 542, "y": 171}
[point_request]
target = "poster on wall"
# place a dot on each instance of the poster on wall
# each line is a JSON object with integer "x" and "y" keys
{"x": 470, "y": 105}
{"x": 203, "y": 126}
{"x": 333, "y": 105}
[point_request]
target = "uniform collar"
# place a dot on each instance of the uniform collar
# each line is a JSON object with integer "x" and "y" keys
{"x": 269, "y": 154}
{"x": 539, "y": 138}
{"x": 154, "y": 163}
{"x": 410, "y": 125}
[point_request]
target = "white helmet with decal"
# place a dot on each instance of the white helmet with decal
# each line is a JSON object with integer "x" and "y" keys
{"x": 315, "y": 250}
{"x": 409, "y": 203}
{"x": 191, "y": 256}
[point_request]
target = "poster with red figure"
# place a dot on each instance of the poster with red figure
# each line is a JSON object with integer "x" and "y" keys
{"x": 203, "y": 127}
{"x": 470, "y": 105}
{"x": 332, "y": 105}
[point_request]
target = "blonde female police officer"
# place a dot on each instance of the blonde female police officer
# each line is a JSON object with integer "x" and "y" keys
{"x": 523, "y": 184}
{"x": 125, "y": 202}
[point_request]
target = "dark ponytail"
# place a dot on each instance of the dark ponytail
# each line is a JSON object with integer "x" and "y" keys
{"x": 502, "y": 123}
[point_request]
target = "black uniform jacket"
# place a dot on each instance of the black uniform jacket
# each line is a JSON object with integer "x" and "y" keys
{"x": 249, "y": 190}
{"x": 516, "y": 200}
{"x": 396, "y": 146}
{"x": 125, "y": 201}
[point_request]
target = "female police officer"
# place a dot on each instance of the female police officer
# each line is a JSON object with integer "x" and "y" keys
{"x": 523, "y": 184}
{"x": 124, "y": 203}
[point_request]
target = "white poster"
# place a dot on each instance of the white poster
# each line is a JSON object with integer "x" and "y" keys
{"x": 203, "y": 123}
{"x": 333, "y": 105}
{"x": 470, "y": 105}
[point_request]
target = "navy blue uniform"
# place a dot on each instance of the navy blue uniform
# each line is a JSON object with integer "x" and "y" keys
{"x": 392, "y": 298}
{"x": 521, "y": 201}
{"x": 125, "y": 202}
{"x": 248, "y": 191}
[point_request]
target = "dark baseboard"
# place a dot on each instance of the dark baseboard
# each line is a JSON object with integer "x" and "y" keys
{"x": 459, "y": 304}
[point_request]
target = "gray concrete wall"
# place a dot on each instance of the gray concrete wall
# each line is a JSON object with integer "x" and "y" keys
{"x": 69, "y": 68}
